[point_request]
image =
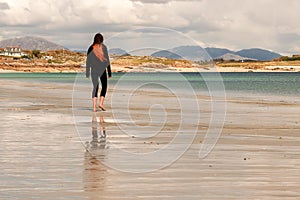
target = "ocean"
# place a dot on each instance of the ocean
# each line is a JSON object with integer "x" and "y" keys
{"x": 267, "y": 84}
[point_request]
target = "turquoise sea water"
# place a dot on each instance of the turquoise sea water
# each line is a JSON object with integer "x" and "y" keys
{"x": 279, "y": 84}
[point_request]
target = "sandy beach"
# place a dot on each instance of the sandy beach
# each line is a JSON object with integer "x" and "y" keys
{"x": 148, "y": 64}
{"x": 43, "y": 156}
{"x": 154, "y": 69}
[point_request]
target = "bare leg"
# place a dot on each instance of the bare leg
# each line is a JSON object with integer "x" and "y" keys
{"x": 101, "y": 103}
{"x": 95, "y": 104}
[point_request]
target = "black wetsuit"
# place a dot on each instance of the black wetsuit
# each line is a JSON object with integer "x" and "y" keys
{"x": 97, "y": 69}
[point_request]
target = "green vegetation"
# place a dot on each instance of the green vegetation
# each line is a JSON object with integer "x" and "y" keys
{"x": 140, "y": 60}
{"x": 293, "y": 58}
{"x": 26, "y": 57}
{"x": 63, "y": 56}
{"x": 36, "y": 53}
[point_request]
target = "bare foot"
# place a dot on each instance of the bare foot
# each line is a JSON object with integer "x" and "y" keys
{"x": 95, "y": 109}
{"x": 102, "y": 107}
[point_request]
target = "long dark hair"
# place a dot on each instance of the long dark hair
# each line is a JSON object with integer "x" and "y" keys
{"x": 98, "y": 47}
{"x": 98, "y": 39}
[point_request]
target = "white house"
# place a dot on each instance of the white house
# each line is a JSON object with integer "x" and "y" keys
{"x": 48, "y": 57}
{"x": 12, "y": 51}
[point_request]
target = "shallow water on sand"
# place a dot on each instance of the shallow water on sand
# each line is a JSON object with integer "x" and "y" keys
{"x": 46, "y": 153}
{"x": 248, "y": 83}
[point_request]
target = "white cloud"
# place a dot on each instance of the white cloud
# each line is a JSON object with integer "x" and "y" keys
{"x": 270, "y": 24}
{"x": 4, "y": 6}
{"x": 161, "y": 1}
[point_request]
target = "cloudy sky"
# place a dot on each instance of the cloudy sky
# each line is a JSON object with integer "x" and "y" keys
{"x": 233, "y": 24}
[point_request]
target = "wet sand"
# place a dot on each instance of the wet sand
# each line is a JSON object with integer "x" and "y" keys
{"x": 43, "y": 157}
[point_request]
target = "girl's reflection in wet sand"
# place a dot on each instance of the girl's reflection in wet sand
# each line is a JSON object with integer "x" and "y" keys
{"x": 94, "y": 175}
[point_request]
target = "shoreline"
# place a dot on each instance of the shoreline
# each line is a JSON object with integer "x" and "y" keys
{"x": 218, "y": 69}
{"x": 137, "y": 69}
{"x": 149, "y": 64}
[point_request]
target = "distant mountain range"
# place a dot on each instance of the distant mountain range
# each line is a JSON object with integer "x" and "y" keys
{"x": 234, "y": 57}
{"x": 166, "y": 54}
{"x": 218, "y": 52}
{"x": 196, "y": 53}
{"x": 31, "y": 43}
{"x": 117, "y": 51}
{"x": 258, "y": 54}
